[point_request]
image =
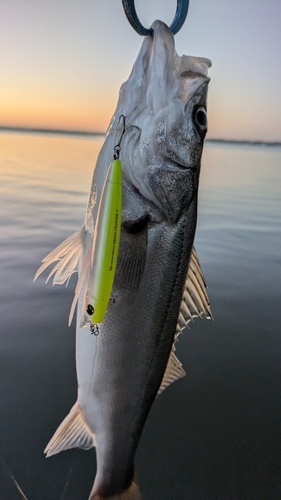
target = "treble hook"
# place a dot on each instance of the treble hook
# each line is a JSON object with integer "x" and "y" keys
{"x": 117, "y": 148}
{"x": 177, "y": 23}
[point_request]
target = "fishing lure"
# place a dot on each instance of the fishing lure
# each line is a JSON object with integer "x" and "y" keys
{"x": 106, "y": 245}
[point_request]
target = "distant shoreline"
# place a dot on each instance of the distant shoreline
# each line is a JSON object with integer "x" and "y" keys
{"x": 85, "y": 133}
{"x": 50, "y": 131}
{"x": 245, "y": 142}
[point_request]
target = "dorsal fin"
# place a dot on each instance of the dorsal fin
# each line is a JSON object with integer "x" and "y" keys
{"x": 68, "y": 255}
{"x": 195, "y": 303}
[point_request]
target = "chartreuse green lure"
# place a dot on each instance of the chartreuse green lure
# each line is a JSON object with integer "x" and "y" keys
{"x": 107, "y": 236}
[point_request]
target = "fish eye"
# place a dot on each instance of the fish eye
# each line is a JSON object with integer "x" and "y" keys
{"x": 90, "y": 310}
{"x": 200, "y": 120}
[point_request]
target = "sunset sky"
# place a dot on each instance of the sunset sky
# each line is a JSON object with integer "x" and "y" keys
{"x": 62, "y": 61}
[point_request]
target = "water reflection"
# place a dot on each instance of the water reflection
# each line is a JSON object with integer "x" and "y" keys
{"x": 214, "y": 434}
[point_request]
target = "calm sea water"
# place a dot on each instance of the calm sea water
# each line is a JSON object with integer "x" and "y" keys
{"x": 214, "y": 435}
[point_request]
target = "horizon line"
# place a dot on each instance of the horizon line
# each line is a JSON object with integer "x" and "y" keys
{"x": 87, "y": 133}
{"x": 43, "y": 130}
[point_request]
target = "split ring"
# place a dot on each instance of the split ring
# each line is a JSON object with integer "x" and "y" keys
{"x": 177, "y": 23}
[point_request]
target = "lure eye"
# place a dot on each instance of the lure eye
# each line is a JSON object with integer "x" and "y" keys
{"x": 200, "y": 120}
{"x": 90, "y": 310}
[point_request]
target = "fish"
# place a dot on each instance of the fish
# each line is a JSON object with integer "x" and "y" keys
{"x": 159, "y": 286}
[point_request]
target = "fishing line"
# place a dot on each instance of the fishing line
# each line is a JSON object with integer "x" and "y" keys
{"x": 68, "y": 478}
{"x": 93, "y": 365}
{"x": 14, "y": 480}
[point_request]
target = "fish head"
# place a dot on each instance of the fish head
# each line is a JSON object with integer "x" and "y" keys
{"x": 164, "y": 105}
{"x": 165, "y": 102}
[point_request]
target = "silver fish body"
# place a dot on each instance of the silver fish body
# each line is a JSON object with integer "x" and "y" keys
{"x": 132, "y": 348}
{"x": 158, "y": 285}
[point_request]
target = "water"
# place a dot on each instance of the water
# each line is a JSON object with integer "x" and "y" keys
{"x": 214, "y": 435}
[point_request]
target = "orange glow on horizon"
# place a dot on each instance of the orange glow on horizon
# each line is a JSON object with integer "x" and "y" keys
{"x": 56, "y": 111}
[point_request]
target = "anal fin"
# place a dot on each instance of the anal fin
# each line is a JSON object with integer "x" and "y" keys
{"x": 73, "y": 432}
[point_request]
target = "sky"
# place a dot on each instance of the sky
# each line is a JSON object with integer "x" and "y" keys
{"x": 62, "y": 62}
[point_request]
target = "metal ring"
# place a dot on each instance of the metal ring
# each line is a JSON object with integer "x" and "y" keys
{"x": 178, "y": 21}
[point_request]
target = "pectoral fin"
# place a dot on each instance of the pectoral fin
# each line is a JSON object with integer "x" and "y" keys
{"x": 133, "y": 244}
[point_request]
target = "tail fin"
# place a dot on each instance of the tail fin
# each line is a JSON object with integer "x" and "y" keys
{"x": 132, "y": 493}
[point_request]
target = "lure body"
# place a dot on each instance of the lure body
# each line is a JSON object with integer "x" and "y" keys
{"x": 106, "y": 245}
